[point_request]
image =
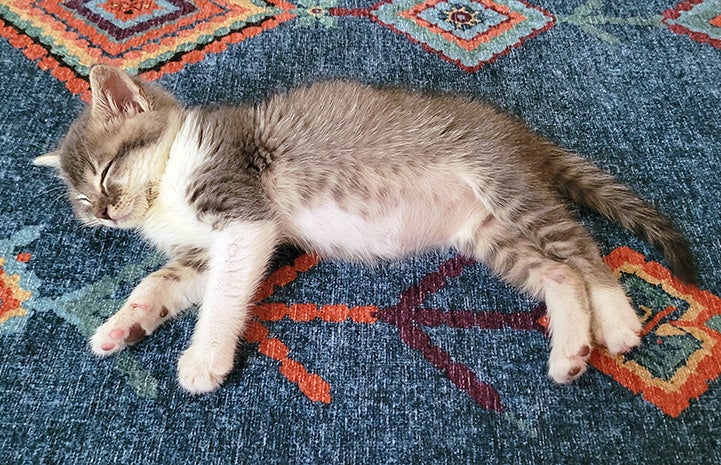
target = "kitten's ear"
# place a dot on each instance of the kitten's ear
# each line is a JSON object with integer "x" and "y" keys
{"x": 115, "y": 95}
{"x": 51, "y": 159}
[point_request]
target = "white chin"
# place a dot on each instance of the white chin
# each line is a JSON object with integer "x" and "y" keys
{"x": 118, "y": 224}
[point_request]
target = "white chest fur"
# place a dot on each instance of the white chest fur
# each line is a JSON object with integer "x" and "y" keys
{"x": 171, "y": 221}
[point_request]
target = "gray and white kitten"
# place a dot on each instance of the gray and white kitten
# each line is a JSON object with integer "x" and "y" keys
{"x": 351, "y": 172}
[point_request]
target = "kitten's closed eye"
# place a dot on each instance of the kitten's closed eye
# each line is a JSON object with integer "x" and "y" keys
{"x": 84, "y": 200}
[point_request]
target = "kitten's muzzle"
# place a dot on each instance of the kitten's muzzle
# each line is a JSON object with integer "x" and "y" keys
{"x": 103, "y": 214}
{"x": 111, "y": 218}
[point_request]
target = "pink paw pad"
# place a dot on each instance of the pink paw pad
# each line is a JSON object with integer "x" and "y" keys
{"x": 107, "y": 346}
{"x": 117, "y": 334}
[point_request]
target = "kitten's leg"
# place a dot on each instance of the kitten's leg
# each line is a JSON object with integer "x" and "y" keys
{"x": 159, "y": 297}
{"x": 509, "y": 252}
{"x": 239, "y": 256}
{"x": 615, "y": 322}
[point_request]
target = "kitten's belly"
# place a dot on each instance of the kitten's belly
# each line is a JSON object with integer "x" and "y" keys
{"x": 337, "y": 233}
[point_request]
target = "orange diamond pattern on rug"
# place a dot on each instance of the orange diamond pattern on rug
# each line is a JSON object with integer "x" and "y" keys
{"x": 18, "y": 283}
{"x": 122, "y": 20}
{"x": 12, "y": 295}
{"x": 125, "y": 10}
{"x": 153, "y": 37}
{"x": 681, "y": 349}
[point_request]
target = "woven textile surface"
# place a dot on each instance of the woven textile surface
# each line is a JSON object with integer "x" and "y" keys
{"x": 427, "y": 360}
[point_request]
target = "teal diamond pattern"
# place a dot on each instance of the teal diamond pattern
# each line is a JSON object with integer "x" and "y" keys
{"x": 465, "y": 32}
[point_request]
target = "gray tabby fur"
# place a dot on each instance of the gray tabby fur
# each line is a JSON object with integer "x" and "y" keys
{"x": 351, "y": 172}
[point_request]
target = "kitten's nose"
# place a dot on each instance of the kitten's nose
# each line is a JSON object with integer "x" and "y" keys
{"x": 103, "y": 214}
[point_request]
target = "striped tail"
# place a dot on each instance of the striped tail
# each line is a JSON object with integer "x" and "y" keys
{"x": 588, "y": 185}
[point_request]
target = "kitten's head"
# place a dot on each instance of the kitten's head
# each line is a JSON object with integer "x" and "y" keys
{"x": 114, "y": 153}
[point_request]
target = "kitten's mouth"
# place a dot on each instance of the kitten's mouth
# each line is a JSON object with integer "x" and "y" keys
{"x": 119, "y": 222}
{"x": 123, "y": 218}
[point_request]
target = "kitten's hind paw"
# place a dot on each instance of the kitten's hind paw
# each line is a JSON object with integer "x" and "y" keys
{"x": 615, "y": 323}
{"x": 201, "y": 371}
{"x": 564, "y": 368}
{"x": 618, "y": 340}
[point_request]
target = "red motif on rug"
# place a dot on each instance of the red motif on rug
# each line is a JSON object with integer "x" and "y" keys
{"x": 680, "y": 354}
{"x": 698, "y": 19}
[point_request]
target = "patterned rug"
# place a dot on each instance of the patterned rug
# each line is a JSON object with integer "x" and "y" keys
{"x": 428, "y": 360}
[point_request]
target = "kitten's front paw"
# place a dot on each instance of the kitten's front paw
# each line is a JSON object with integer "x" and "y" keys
{"x": 131, "y": 324}
{"x": 202, "y": 370}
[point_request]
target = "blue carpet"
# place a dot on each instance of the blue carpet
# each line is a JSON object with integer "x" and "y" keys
{"x": 429, "y": 360}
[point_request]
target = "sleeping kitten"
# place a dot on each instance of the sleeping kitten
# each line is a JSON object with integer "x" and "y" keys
{"x": 350, "y": 172}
